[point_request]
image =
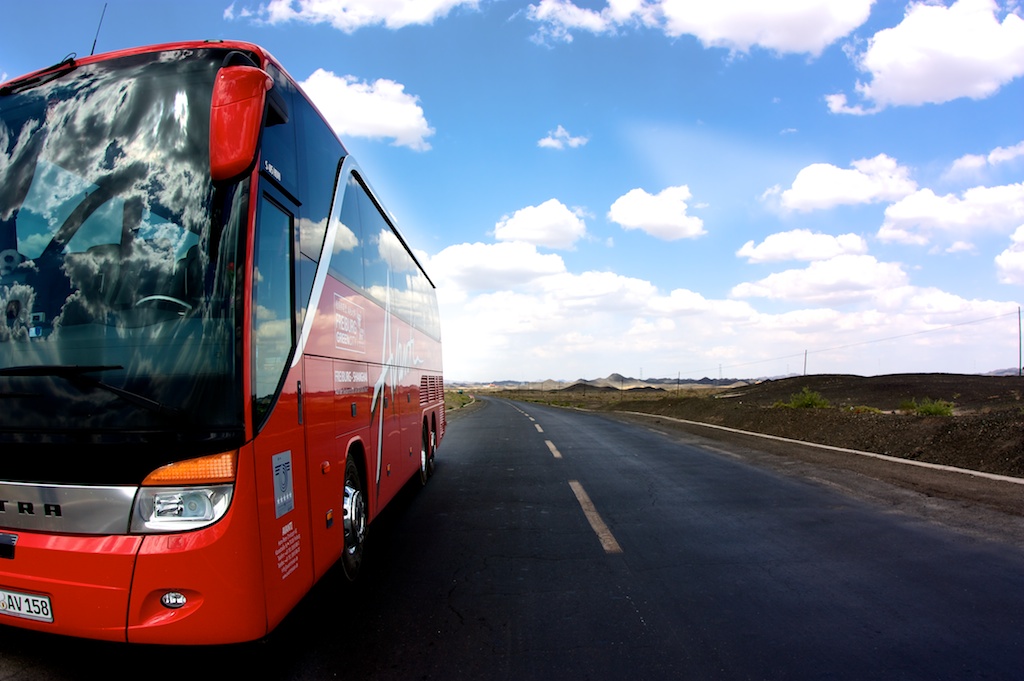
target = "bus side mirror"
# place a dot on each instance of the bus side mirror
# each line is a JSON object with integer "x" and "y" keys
{"x": 236, "y": 115}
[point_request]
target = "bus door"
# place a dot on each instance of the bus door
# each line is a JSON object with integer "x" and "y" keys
{"x": 279, "y": 446}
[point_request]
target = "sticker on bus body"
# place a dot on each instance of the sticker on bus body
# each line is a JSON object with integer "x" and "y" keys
{"x": 284, "y": 494}
{"x": 26, "y": 606}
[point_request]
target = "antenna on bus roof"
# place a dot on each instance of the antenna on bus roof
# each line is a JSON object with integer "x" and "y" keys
{"x": 93, "y": 51}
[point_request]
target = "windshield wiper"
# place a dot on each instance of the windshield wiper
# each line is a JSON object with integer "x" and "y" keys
{"x": 41, "y": 77}
{"x": 78, "y": 373}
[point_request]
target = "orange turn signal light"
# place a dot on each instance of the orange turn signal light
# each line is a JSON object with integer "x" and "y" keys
{"x": 206, "y": 470}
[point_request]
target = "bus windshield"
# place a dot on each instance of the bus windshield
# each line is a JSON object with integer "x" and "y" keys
{"x": 117, "y": 257}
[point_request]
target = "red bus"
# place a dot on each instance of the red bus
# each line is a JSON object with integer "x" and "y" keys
{"x": 219, "y": 359}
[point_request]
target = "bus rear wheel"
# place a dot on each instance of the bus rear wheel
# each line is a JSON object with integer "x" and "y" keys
{"x": 354, "y": 522}
{"x": 427, "y": 448}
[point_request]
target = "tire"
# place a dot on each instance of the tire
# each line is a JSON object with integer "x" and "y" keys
{"x": 354, "y": 521}
{"x": 426, "y": 456}
{"x": 428, "y": 450}
{"x": 433, "y": 454}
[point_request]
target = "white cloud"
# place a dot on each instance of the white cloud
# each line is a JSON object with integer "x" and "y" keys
{"x": 822, "y": 185}
{"x": 565, "y": 325}
{"x": 1006, "y": 154}
{"x": 938, "y": 54}
{"x": 351, "y": 15}
{"x": 838, "y": 280}
{"x": 597, "y": 291}
{"x": 838, "y": 104}
{"x": 559, "y": 18}
{"x": 802, "y": 244}
{"x": 382, "y": 109}
{"x": 550, "y": 224}
{"x": 568, "y": 325}
{"x": 512, "y": 313}
{"x": 960, "y": 247}
{"x": 661, "y": 215}
{"x": 919, "y": 217}
{"x": 491, "y": 267}
{"x": 808, "y": 26}
{"x": 968, "y": 164}
{"x": 1010, "y": 263}
{"x": 560, "y": 139}
{"x": 971, "y": 163}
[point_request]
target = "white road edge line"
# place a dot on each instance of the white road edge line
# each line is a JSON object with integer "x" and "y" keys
{"x": 884, "y": 457}
{"x": 600, "y": 529}
{"x": 554, "y": 450}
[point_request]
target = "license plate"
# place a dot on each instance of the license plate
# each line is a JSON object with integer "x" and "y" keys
{"x": 26, "y": 606}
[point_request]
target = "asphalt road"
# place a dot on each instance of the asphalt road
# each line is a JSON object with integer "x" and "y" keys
{"x": 554, "y": 544}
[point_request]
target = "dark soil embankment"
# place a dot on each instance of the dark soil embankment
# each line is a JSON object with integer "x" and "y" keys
{"x": 984, "y": 433}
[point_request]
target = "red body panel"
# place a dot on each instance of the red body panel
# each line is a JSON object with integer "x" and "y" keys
{"x": 326, "y": 471}
{"x": 86, "y": 578}
{"x": 218, "y": 570}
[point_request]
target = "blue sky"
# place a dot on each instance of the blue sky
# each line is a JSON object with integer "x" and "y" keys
{"x": 662, "y": 187}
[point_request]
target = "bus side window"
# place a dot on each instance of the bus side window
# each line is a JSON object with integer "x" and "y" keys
{"x": 319, "y": 165}
{"x": 347, "y": 253}
{"x": 272, "y": 303}
{"x": 376, "y": 267}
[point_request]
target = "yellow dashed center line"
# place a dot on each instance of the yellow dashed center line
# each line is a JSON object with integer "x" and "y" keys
{"x": 600, "y": 529}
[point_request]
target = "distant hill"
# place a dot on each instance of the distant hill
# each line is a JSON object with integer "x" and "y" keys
{"x": 612, "y": 382}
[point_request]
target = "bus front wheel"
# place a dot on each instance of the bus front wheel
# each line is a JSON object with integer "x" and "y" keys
{"x": 355, "y": 521}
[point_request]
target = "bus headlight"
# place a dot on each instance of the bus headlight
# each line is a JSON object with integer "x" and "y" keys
{"x": 178, "y": 509}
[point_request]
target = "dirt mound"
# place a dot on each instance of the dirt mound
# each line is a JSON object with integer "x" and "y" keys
{"x": 582, "y": 388}
{"x": 985, "y": 432}
{"x": 969, "y": 394}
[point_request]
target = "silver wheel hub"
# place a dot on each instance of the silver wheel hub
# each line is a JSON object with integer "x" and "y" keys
{"x": 355, "y": 518}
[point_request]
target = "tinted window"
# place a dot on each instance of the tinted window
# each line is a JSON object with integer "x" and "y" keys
{"x": 277, "y": 154}
{"x": 319, "y": 165}
{"x": 272, "y": 296}
{"x": 378, "y": 241}
{"x": 347, "y": 254}
{"x": 369, "y": 254}
{"x": 119, "y": 256}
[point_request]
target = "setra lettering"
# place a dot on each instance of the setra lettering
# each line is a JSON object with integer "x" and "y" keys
{"x": 29, "y": 508}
